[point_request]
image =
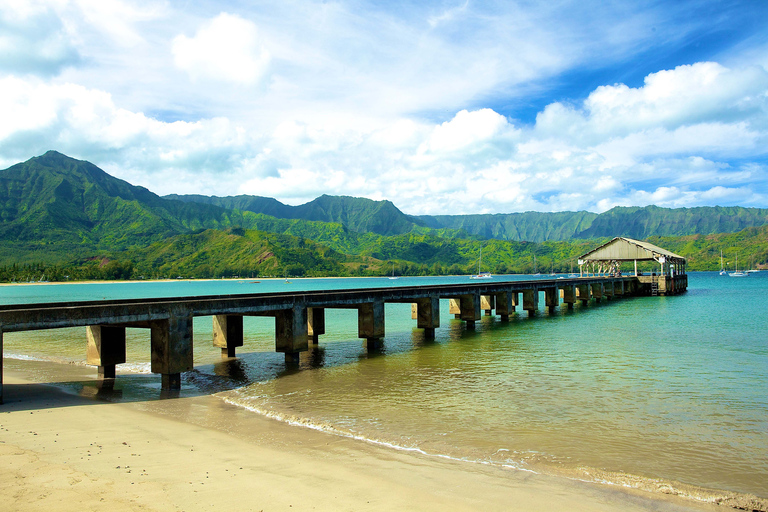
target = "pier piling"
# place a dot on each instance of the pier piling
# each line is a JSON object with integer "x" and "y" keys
{"x": 227, "y": 334}
{"x": 105, "y": 348}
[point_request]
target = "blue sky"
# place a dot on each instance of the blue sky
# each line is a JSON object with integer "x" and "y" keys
{"x": 446, "y": 107}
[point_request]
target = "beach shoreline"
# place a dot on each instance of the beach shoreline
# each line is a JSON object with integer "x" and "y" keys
{"x": 65, "y": 451}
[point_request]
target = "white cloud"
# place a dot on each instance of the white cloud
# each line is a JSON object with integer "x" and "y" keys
{"x": 34, "y": 40}
{"x": 466, "y": 129}
{"x": 227, "y": 49}
{"x": 295, "y": 99}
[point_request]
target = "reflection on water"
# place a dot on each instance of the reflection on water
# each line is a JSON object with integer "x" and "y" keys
{"x": 674, "y": 388}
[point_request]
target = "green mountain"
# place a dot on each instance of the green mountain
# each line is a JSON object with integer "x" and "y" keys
{"x": 528, "y": 226}
{"x": 641, "y": 223}
{"x": 358, "y": 214}
{"x": 383, "y": 217}
{"x": 633, "y": 222}
{"x": 65, "y": 217}
{"x": 59, "y": 199}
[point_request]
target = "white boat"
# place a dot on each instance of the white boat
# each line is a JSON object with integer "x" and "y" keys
{"x": 393, "y": 276}
{"x": 481, "y": 275}
{"x": 536, "y": 273}
{"x": 736, "y": 273}
{"x": 722, "y": 268}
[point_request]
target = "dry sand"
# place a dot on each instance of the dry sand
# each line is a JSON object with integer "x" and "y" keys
{"x": 61, "y": 451}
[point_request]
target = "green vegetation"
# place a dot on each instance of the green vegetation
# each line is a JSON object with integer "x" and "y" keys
{"x": 382, "y": 217}
{"x": 63, "y": 219}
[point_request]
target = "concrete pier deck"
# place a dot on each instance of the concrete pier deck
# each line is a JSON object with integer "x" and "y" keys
{"x": 299, "y": 316}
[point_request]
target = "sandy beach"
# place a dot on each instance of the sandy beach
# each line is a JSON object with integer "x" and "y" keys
{"x": 65, "y": 451}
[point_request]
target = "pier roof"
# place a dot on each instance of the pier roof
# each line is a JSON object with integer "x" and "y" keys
{"x": 628, "y": 249}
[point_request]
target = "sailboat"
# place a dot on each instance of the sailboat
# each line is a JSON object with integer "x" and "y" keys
{"x": 737, "y": 273}
{"x": 535, "y": 271}
{"x": 393, "y": 276}
{"x": 572, "y": 274}
{"x": 722, "y": 268}
{"x": 481, "y": 275}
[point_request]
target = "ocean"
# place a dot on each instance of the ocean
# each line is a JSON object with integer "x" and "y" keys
{"x": 668, "y": 394}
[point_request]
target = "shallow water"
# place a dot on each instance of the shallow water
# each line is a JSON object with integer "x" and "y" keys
{"x": 668, "y": 388}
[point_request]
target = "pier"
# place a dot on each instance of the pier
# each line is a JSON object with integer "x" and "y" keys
{"x": 300, "y": 315}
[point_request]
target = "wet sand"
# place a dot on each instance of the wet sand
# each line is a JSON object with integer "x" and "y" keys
{"x": 66, "y": 451}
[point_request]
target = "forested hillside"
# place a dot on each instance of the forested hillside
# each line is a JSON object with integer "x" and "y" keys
{"x": 62, "y": 218}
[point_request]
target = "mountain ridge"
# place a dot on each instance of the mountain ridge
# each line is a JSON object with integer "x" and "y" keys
{"x": 71, "y": 218}
{"x": 638, "y": 222}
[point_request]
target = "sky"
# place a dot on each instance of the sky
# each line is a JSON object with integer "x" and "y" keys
{"x": 442, "y": 107}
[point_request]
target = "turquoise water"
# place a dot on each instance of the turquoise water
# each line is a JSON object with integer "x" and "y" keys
{"x": 649, "y": 392}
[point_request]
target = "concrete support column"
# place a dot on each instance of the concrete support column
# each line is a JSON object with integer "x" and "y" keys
{"x": 597, "y": 291}
{"x": 582, "y": 292}
{"x": 105, "y": 348}
{"x": 227, "y": 333}
{"x": 569, "y": 295}
{"x": 552, "y": 298}
{"x": 505, "y": 305}
{"x": 487, "y": 304}
{"x": 531, "y": 301}
{"x": 428, "y": 315}
{"x": 608, "y": 290}
{"x": 470, "y": 309}
{"x": 291, "y": 332}
{"x": 370, "y": 321}
{"x": 315, "y": 324}
{"x": 454, "y": 308}
{"x": 618, "y": 288}
{"x": 171, "y": 341}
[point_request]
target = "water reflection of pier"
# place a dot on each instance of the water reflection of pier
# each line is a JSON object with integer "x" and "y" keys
{"x": 299, "y": 316}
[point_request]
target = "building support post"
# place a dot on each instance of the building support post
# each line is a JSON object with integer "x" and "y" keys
{"x": 531, "y": 301}
{"x": 105, "y": 348}
{"x": 171, "y": 341}
{"x": 370, "y": 322}
{"x": 227, "y": 334}
{"x": 315, "y": 324}
{"x": 291, "y": 332}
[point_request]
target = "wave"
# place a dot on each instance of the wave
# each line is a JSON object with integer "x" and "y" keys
{"x": 137, "y": 368}
{"x": 532, "y": 463}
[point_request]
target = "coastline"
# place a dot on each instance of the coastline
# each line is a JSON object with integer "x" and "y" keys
{"x": 65, "y": 451}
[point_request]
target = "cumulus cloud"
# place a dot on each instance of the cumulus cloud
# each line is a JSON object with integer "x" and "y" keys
{"x": 226, "y": 49}
{"x": 86, "y": 123}
{"x": 34, "y": 40}
{"x": 296, "y": 99}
